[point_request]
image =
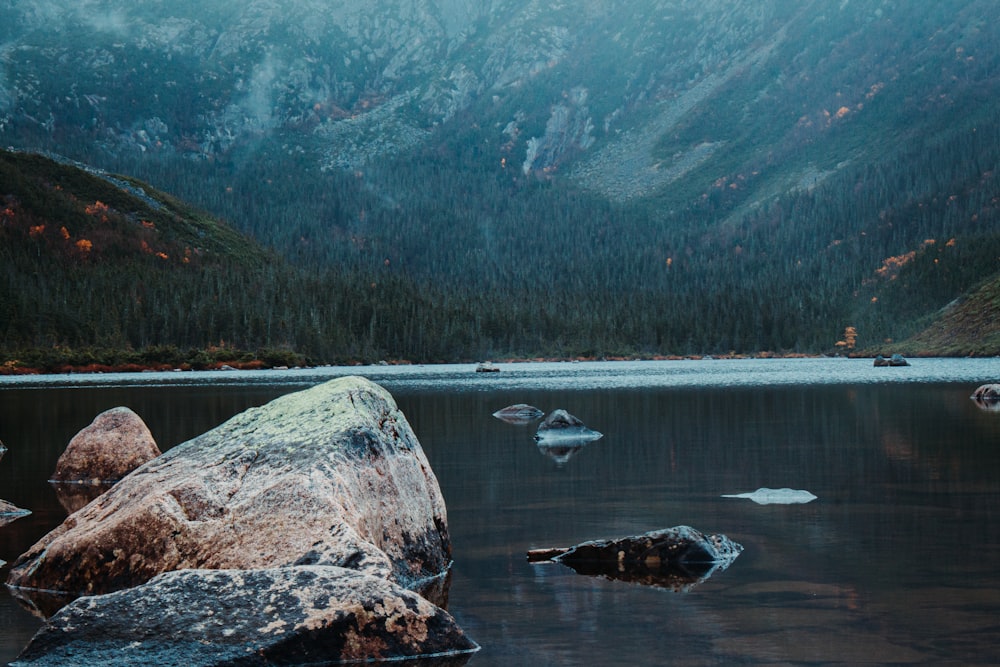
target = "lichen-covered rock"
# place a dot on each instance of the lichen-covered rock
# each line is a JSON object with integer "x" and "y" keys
{"x": 561, "y": 424}
{"x": 676, "y": 558}
{"x": 281, "y": 616}
{"x": 116, "y": 443}
{"x": 332, "y": 475}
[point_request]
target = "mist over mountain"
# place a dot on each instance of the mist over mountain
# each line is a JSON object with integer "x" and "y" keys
{"x": 663, "y": 175}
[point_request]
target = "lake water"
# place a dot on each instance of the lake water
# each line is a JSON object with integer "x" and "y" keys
{"x": 895, "y": 562}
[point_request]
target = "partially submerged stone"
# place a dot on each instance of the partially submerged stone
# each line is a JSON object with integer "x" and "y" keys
{"x": 784, "y": 496}
{"x": 675, "y": 558}
{"x": 281, "y": 616}
{"x": 560, "y": 424}
{"x": 116, "y": 443}
{"x": 10, "y": 513}
{"x": 74, "y": 497}
{"x": 332, "y": 475}
{"x": 519, "y": 413}
{"x": 561, "y": 450}
{"x": 895, "y": 361}
{"x": 987, "y": 396}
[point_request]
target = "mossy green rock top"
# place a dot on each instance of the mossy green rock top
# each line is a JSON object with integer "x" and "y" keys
{"x": 332, "y": 475}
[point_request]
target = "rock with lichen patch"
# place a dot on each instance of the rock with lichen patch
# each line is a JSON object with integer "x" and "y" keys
{"x": 332, "y": 475}
{"x": 281, "y": 616}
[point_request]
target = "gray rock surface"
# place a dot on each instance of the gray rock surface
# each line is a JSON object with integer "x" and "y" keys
{"x": 560, "y": 424}
{"x": 116, "y": 443}
{"x": 282, "y": 616}
{"x": 332, "y": 475}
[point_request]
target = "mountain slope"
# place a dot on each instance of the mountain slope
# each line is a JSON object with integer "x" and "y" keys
{"x": 736, "y": 172}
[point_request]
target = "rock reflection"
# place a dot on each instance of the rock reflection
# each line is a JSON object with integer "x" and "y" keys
{"x": 561, "y": 450}
{"x": 74, "y": 496}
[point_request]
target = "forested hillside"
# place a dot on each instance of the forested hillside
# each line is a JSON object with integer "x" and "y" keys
{"x": 465, "y": 180}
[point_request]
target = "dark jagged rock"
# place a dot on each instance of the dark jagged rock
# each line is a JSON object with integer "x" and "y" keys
{"x": 561, "y": 425}
{"x": 116, "y": 443}
{"x": 676, "y": 558}
{"x": 895, "y": 360}
{"x": 282, "y": 616}
{"x": 332, "y": 475}
{"x": 519, "y": 413}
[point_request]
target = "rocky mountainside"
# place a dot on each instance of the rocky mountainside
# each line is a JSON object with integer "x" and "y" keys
{"x": 798, "y": 133}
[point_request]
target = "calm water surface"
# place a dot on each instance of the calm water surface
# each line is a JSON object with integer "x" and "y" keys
{"x": 894, "y": 563}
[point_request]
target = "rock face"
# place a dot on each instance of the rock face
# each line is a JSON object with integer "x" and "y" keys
{"x": 562, "y": 425}
{"x": 116, "y": 443}
{"x": 283, "y": 616}
{"x": 332, "y": 475}
{"x": 676, "y": 558}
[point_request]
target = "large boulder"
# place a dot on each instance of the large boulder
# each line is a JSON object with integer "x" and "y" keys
{"x": 282, "y": 616}
{"x": 332, "y": 475}
{"x": 116, "y": 443}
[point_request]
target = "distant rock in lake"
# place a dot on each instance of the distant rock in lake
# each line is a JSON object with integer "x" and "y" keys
{"x": 519, "y": 413}
{"x": 765, "y": 496}
{"x": 675, "y": 558}
{"x": 561, "y": 425}
{"x": 895, "y": 360}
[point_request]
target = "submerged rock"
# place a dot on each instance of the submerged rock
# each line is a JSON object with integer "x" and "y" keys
{"x": 561, "y": 450}
{"x": 332, "y": 475}
{"x": 116, "y": 443}
{"x": 561, "y": 425}
{"x": 3, "y": 450}
{"x": 765, "y": 496}
{"x": 282, "y": 616}
{"x": 519, "y": 413}
{"x": 676, "y": 558}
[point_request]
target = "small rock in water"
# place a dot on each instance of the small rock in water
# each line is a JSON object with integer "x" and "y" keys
{"x": 561, "y": 424}
{"x": 765, "y": 496}
{"x": 676, "y": 558}
{"x": 519, "y": 413}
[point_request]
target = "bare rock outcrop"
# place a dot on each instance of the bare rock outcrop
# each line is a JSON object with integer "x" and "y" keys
{"x": 281, "y": 616}
{"x": 332, "y": 475}
{"x": 116, "y": 443}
